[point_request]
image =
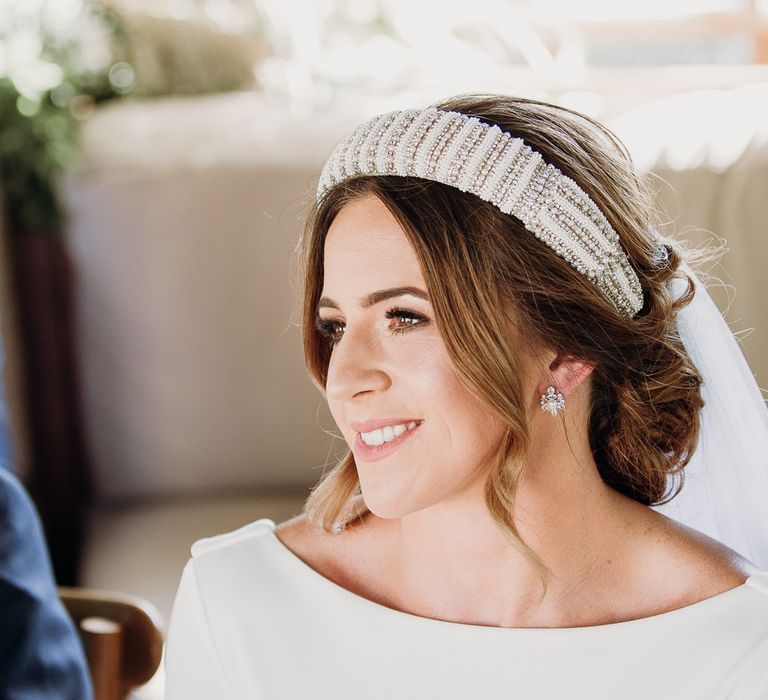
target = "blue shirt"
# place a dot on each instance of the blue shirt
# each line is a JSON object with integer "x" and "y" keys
{"x": 40, "y": 653}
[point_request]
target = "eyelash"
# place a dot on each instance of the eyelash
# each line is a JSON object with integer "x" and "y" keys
{"x": 326, "y": 327}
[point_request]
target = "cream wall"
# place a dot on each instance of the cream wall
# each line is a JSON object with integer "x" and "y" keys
{"x": 708, "y": 150}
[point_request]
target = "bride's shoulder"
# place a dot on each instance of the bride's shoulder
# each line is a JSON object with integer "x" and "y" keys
{"x": 692, "y": 561}
{"x": 667, "y": 563}
{"x": 299, "y": 535}
{"x": 309, "y": 542}
{"x": 231, "y": 542}
{"x": 346, "y": 558}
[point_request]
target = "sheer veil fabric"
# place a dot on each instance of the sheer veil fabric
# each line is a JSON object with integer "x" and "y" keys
{"x": 725, "y": 492}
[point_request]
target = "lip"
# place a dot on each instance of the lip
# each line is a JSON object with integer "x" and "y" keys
{"x": 366, "y": 426}
{"x": 373, "y": 453}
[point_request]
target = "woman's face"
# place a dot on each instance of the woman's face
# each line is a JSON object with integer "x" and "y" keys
{"x": 389, "y": 365}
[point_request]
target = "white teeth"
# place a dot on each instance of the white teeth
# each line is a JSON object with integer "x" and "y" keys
{"x": 375, "y": 437}
{"x": 382, "y": 435}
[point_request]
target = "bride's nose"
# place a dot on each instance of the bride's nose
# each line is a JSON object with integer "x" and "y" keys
{"x": 356, "y": 365}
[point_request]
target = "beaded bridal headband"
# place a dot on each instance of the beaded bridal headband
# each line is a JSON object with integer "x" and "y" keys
{"x": 463, "y": 152}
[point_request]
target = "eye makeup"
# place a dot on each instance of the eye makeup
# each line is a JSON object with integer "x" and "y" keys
{"x": 330, "y": 328}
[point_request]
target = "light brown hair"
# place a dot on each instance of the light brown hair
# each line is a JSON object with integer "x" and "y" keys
{"x": 483, "y": 270}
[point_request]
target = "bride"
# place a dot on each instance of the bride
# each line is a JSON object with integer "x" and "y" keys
{"x": 501, "y": 337}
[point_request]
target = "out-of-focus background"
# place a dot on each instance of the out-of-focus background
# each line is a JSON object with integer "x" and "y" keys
{"x": 157, "y": 158}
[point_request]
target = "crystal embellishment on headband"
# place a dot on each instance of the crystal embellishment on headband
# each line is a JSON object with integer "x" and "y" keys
{"x": 463, "y": 152}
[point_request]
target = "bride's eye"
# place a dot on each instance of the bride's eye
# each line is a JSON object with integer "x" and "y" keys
{"x": 327, "y": 328}
{"x": 411, "y": 319}
{"x": 332, "y": 329}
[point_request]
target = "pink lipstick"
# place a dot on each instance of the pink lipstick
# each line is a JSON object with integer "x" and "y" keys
{"x": 373, "y": 453}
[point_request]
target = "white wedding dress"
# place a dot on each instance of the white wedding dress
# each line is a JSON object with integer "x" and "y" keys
{"x": 253, "y": 621}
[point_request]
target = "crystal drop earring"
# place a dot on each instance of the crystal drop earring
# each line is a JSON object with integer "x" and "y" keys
{"x": 553, "y": 401}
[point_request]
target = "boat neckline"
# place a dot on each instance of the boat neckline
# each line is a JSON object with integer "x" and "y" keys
{"x": 357, "y": 599}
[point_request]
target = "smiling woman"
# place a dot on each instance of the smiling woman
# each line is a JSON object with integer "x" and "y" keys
{"x": 493, "y": 322}
{"x": 508, "y": 329}
{"x": 378, "y": 376}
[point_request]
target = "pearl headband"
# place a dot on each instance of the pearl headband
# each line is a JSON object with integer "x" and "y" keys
{"x": 463, "y": 152}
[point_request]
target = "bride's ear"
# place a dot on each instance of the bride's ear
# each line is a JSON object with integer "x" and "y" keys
{"x": 567, "y": 373}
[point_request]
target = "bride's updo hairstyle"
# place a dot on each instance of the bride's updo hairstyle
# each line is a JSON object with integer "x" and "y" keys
{"x": 484, "y": 270}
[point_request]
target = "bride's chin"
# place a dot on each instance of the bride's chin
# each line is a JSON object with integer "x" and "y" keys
{"x": 384, "y": 506}
{"x": 387, "y": 513}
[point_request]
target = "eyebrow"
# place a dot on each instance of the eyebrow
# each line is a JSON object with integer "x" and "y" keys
{"x": 376, "y": 297}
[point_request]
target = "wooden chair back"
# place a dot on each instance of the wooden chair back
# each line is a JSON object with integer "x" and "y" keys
{"x": 121, "y": 635}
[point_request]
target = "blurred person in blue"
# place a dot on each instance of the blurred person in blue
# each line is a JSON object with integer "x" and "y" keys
{"x": 41, "y": 657}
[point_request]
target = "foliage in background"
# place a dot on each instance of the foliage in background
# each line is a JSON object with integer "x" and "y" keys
{"x": 59, "y": 58}
{"x": 33, "y": 149}
{"x": 54, "y": 65}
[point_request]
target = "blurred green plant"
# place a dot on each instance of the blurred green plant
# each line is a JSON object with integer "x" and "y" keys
{"x": 37, "y": 139}
{"x": 54, "y": 65}
{"x": 58, "y": 58}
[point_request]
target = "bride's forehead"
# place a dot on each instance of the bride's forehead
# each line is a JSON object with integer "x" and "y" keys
{"x": 372, "y": 263}
{"x": 365, "y": 229}
{"x": 369, "y": 245}
{"x": 365, "y": 215}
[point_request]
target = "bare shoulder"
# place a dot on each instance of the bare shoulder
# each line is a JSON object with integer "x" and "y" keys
{"x": 314, "y": 546}
{"x": 348, "y": 558}
{"x": 300, "y": 536}
{"x": 668, "y": 565}
{"x": 693, "y": 562}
